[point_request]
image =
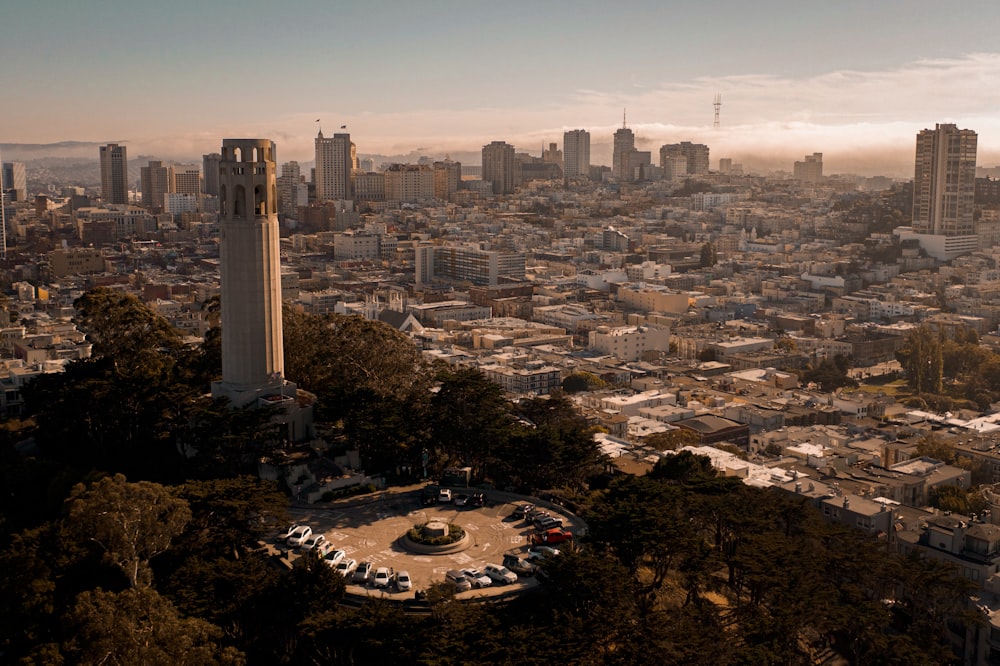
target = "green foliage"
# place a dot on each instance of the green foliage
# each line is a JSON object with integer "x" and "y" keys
{"x": 830, "y": 374}
{"x": 578, "y": 382}
{"x": 959, "y": 500}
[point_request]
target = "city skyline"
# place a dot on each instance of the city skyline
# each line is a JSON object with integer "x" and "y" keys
{"x": 852, "y": 81}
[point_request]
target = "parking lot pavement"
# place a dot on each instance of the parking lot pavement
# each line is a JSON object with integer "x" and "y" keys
{"x": 369, "y": 530}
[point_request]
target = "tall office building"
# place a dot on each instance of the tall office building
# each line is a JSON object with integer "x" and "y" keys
{"x": 334, "y": 164}
{"x": 621, "y": 167}
{"x": 210, "y": 167}
{"x": 576, "y": 154}
{"x": 447, "y": 178}
{"x": 944, "y": 181}
{"x": 288, "y": 188}
{"x": 156, "y": 181}
{"x": 114, "y": 174}
{"x": 14, "y": 181}
{"x": 187, "y": 181}
{"x": 500, "y": 167}
{"x": 252, "y": 350}
{"x": 810, "y": 170}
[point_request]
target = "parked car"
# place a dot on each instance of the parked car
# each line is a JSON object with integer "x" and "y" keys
{"x": 552, "y": 536}
{"x": 382, "y": 577}
{"x": 346, "y": 567}
{"x": 539, "y": 553}
{"x": 444, "y": 495}
{"x": 519, "y": 566}
{"x": 500, "y": 574}
{"x": 477, "y": 578}
{"x": 314, "y": 541}
{"x": 334, "y": 557}
{"x": 461, "y": 499}
{"x": 478, "y": 499}
{"x": 458, "y": 579}
{"x": 299, "y": 535}
{"x": 547, "y": 522}
{"x": 429, "y": 495}
{"x": 323, "y": 549}
{"x": 362, "y": 573}
{"x": 521, "y": 510}
{"x": 403, "y": 582}
{"x": 289, "y": 532}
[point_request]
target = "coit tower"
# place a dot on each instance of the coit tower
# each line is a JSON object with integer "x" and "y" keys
{"x": 252, "y": 353}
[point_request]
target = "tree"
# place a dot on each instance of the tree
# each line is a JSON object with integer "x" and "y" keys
{"x": 138, "y": 626}
{"x": 708, "y": 257}
{"x": 127, "y": 523}
{"x": 921, "y": 358}
{"x": 582, "y": 381}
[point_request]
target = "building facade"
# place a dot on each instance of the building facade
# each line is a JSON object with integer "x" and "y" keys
{"x": 944, "y": 181}
{"x": 500, "y": 167}
{"x": 576, "y": 154}
{"x": 334, "y": 164}
{"x": 624, "y": 146}
{"x": 14, "y": 181}
{"x": 810, "y": 169}
{"x": 114, "y": 174}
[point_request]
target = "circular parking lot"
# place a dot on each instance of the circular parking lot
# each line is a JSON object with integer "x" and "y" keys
{"x": 368, "y": 529}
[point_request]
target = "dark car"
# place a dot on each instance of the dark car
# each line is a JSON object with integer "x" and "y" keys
{"x": 521, "y": 510}
{"x": 477, "y": 499}
{"x": 519, "y": 566}
{"x": 429, "y": 495}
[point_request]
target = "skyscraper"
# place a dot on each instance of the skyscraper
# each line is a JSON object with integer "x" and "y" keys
{"x": 155, "y": 181}
{"x": 622, "y": 158}
{"x": 500, "y": 167}
{"x": 576, "y": 154}
{"x": 15, "y": 181}
{"x": 944, "y": 181}
{"x": 210, "y": 167}
{"x": 114, "y": 174}
{"x": 334, "y": 163}
{"x": 252, "y": 350}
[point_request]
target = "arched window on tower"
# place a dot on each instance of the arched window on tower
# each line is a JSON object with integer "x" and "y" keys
{"x": 255, "y": 155}
{"x": 259, "y": 204}
{"x": 239, "y": 201}
{"x": 237, "y": 154}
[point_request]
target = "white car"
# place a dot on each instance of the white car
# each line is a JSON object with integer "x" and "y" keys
{"x": 346, "y": 567}
{"x": 444, "y": 495}
{"x": 299, "y": 536}
{"x": 289, "y": 532}
{"x": 500, "y": 574}
{"x": 315, "y": 541}
{"x": 477, "y": 578}
{"x": 323, "y": 549}
{"x": 362, "y": 573}
{"x": 334, "y": 557}
{"x": 403, "y": 582}
{"x": 381, "y": 577}
{"x": 539, "y": 553}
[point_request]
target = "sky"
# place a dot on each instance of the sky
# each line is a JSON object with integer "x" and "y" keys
{"x": 853, "y": 80}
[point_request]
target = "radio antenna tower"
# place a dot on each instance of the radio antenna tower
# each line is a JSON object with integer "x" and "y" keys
{"x": 718, "y": 105}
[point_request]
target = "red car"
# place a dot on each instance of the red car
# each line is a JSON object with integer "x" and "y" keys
{"x": 549, "y": 537}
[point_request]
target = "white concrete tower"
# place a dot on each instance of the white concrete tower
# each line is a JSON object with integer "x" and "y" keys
{"x": 252, "y": 352}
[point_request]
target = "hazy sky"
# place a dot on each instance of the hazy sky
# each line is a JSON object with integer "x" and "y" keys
{"x": 853, "y": 80}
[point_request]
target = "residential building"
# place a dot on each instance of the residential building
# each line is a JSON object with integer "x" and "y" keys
{"x": 500, "y": 167}
{"x": 156, "y": 180}
{"x": 810, "y": 170}
{"x": 695, "y": 155}
{"x": 114, "y": 174}
{"x": 576, "y": 154}
{"x": 447, "y": 178}
{"x": 210, "y": 167}
{"x": 409, "y": 183}
{"x": 467, "y": 263}
{"x": 944, "y": 181}
{"x": 628, "y": 343}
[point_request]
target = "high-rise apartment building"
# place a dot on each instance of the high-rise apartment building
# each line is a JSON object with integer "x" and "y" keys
{"x": 334, "y": 164}
{"x": 810, "y": 170}
{"x": 187, "y": 181}
{"x": 500, "y": 167}
{"x": 447, "y": 178}
{"x": 210, "y": 167}
{"x": 14, "y": 181}
{"x": 552, "y": 155}
{"x": 944, "y": 181}
{"x": 114, "y": 174}
{"x": 624, "y": 146}
{"x": 155, "y": 181}
{"x": 409, "y": 183}
{"x": 576, "y": 154}
{"x": 288, "y": 188}
{"x": 696, "y": 155}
